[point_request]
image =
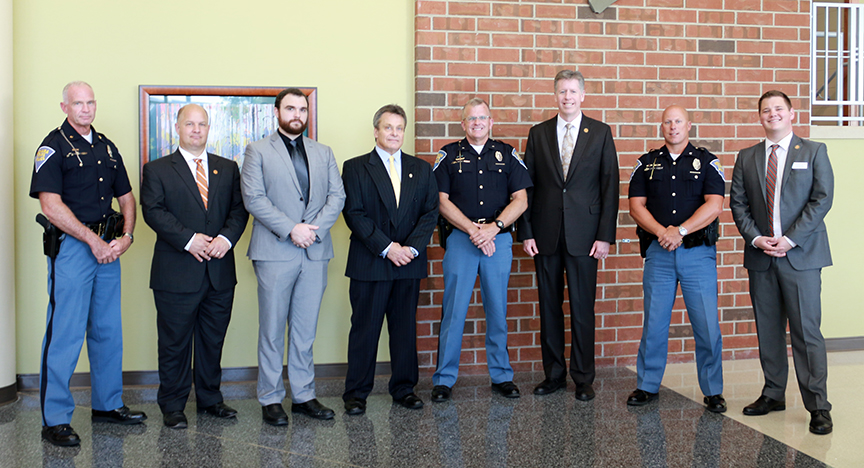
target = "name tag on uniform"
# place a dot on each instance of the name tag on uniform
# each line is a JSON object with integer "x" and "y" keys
{"x": 799, "y": 165}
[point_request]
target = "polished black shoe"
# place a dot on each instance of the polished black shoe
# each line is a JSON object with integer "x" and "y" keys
{"x": 506, "y": 389}
{"x": 274, "y": 415}
{"x": 547, "y": 387}
{"x": 175, "y": 420}
{"x": 715, "y": 403}
{"x": 820, "y": 422}
{"x": 313, "y": 408}
{"x": 410, "y": 401}
{"x": 220, "y": 410}
{"x": 641, "y": 398}
{"x": 764, "y": 405}
{"x": 441, "y": 393}
{"x": 61, "y": 434}
{"x": 121, "y": 415}
{"x": 585, "y": 392}
{"x": 355, "y": 406}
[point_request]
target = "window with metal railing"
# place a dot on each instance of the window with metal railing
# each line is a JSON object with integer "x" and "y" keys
{"x": 837, "y": 64}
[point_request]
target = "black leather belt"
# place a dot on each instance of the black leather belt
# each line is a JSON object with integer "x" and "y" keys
{"x": 98, "y": 228}
{"x": 491, "y": 221}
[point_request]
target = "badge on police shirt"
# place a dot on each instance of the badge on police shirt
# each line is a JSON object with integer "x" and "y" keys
{"x": 42, "y": 155}
{"x": 441, "y": 155}
{"x": 498, "y": 156}
{"x": 697, "y": 164}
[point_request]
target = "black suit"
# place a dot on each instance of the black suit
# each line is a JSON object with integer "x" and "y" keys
{"x": 193, "y": 299}
{"x": 565, "y": 217}
{"x": 378, "y": 287}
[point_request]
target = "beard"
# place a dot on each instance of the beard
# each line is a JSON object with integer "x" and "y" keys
{"x": 286, "y": 126}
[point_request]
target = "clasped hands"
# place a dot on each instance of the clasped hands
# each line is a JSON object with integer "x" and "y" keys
{"x": 205, "y": 247}
{"x": 484, "y": 237}
{"x": 773, "y": 246}
{"x": 670, "y": 239}
{"x": 303, "y": 235}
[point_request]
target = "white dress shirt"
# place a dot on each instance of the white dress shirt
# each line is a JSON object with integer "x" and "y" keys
{"x": 781, "y": 152}
{"x": 562, "y": 129}
{"x": 193, "y": 166}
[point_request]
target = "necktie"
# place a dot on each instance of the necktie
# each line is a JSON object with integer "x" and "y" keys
{"x": 567, "y": 149}
{"x": 770, "y": 183}
{"x": 201, "y": 181}
{"x": 394, "y": 179}
{"x": 300, "y": 169}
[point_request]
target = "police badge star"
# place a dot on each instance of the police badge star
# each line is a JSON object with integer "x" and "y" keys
{"x": 498, "y": 156}
{"x": 697, "y": 164}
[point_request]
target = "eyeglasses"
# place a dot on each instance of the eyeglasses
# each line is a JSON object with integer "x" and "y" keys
{"x": 481, "y": 118}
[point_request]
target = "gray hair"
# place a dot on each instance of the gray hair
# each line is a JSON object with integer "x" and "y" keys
{"x": 570, "y": 75}
{"x": 474, "y": 102}
{"x": 71, "y": 84}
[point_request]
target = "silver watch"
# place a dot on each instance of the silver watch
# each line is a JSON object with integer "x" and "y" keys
{"x": 682, "y": 230}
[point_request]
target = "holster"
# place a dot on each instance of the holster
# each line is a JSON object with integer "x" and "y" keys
{"x": 51, "y": 237}
{"x": 114, "y": 226}
{"x": 444, "y": 231}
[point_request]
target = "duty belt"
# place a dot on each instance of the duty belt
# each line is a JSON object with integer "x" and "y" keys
{"x": 98, "y": 228}
{"x": 491, "y": 221}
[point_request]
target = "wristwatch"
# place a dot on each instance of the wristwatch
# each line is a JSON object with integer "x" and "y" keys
{"x": 131, "y": 238}
{"x": 682, "y": 230}
{"x": 500, "y": 224}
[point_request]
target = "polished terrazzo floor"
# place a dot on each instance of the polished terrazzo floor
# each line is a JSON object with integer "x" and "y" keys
{"x": 476, "y": 429}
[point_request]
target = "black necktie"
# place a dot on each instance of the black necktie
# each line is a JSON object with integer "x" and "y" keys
{"x": 300, "y": 169}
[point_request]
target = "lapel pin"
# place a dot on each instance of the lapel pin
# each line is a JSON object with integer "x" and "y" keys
{"x": 797, "y": 146}
{"x": 215, "y": 171}
{"x": 410, "y": 176}
{"x": 585, "y": 130}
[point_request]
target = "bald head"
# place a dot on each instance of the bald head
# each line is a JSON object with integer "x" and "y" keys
{"x": 675, "y": 127}
{"x": 193, "y": 126}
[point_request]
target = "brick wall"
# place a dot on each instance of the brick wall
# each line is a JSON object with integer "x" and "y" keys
{"x": 715, "y": 57}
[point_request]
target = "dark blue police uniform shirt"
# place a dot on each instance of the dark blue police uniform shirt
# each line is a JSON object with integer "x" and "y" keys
{"x": 87, "y": 180}
{"x": 676, "y": 189}
{"x": 480, "y": 184}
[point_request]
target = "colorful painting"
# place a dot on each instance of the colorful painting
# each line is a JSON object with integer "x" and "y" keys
{"x": 238, "y": 116}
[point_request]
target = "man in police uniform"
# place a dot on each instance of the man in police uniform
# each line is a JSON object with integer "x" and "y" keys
{"x": 77, "y": 174}
{"x": 676, "y": 194}
{"x": 482, "y": 190}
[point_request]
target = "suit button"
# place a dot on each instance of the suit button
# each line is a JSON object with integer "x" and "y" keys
{"x": 301, "y": 198}
{"x": 565, "y": 190}
{"x": 302, "y": 220}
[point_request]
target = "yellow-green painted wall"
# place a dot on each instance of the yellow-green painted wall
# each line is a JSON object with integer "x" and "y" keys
{"x": 358, "y": 54}
{"x": 842, "y": 312}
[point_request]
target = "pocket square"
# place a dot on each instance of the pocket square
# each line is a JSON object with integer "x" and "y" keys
{"x": 799, "y": 165}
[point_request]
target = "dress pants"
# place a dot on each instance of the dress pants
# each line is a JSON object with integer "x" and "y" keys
{"x": 582, "y": 290}
{"x": 187, "y": 321}
{"x": 696, "y": 270}
{"x": 782, "y": 294}
{"x": 371, "y": 301}
{"x": 463, "y": 261}
{"x": 289, "y": 294}
{"x": 86, "y": 301}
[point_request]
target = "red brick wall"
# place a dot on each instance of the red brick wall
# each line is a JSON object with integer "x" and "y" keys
{"x": 714, "y": 57}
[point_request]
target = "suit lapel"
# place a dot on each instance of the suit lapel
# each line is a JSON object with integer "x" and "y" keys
{"x": 216, "y": 178}
{"x": 553, "y": 150}
{"x": 409, "y": 185}
{"x": 579, "y": 149}
{"x": 282, "y": 153}
{"x": 382, "y": 182}
{"x": 185, "y": 174}
{"x": 759, "y": 161}
{"x": 791, "y": 155}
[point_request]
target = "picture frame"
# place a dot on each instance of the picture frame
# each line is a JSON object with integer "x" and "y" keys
{"x": 238, "y": 115}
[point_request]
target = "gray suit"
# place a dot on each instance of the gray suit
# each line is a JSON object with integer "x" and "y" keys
{"x": 291, "y": 280}
{"x": 788, "y": 288}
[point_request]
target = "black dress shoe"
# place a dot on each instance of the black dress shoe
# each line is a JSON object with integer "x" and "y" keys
{"x": 274, "y": 415}
{"x": 764, "y": 405}
{"x": 220, "y": 410}
{"x": 641, "y": 398}
{"x": 585, "y": 392}
{"x": 820, "y": 422}
{"x": 313, "y": 408}
{"x": 715, "y": 403}
{"x": 410, "y": 401}
{"x": 506, "y": 389}
{"x": 355, "y": 406}
{"x": 121, "y": 415}
{"x": 441, "y": 393}
{"x": 548, "y": 386}
{"x": 175, "y": 420}
{"x": 61, "y": 434}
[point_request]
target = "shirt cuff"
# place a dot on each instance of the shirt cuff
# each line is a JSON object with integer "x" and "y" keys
{"x": 791, "y": 242}
{"x": 387, "y": 249}
{"x": 414, "y": 251}
{"x": 230, "y": 245}
{"x": 189, "y": 244}
{"x": 753, "y": 242}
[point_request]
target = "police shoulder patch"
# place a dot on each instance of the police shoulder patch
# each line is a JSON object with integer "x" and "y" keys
{"x": 719, "y": 167}
{"x": 638, "y": 165}
{"x": 515, "y": 154}
{"x": 42, "y": 155}
{"x": 442, "y": 155}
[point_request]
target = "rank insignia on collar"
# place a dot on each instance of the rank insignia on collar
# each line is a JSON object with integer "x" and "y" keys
{"x": 498, "y": 156}
{"x": 697, "y": 164}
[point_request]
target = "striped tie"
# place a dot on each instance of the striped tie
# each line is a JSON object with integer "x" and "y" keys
{"x": 201, "y": 180}
{"x": 770, "y": 183}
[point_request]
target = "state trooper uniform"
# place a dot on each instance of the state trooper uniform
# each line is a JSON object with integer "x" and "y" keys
{"x": 675, "y": 189}
{"x": 84, "y": 295}
{"x": 480, "y": 186}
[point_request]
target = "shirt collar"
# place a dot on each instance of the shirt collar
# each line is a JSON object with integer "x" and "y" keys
{"x": 190, "y": 158}
{"x": 385, "y": 156}
{"x": 784, "y": 142}
{"x": 577, "y": 122}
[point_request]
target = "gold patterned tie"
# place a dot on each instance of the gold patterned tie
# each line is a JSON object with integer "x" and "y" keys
{"x": 394, "y": 179}
{"x": 201, "y": 180}
{"x": 567, "y": 149}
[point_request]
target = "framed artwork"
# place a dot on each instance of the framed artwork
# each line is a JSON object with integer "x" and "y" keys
{"x": 238, "y": 116}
